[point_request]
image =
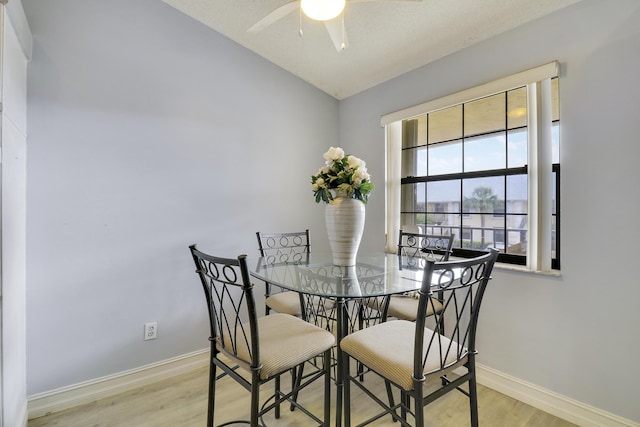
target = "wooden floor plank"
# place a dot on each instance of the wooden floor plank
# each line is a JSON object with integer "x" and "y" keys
{"x": 182, "y": 400}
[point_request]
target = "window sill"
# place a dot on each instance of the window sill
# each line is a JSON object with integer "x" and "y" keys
{"x": 524, "y": 269}
{"x": 519, "y": 268}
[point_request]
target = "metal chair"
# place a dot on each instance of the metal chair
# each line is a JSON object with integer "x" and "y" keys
{"x": 288, "y": 247}
{"x": 418, "y": 248}
{"x": 278, "y": 248}
{"x": 265, "y": 347}
{"x": 414, "y": 249}
{"x": 409, "y": 355}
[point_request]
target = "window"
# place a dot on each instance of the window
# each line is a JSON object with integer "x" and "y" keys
{"x": 482, "y": 165}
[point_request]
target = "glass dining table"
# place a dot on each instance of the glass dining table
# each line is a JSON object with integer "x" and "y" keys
{"x": 374, "y": 277}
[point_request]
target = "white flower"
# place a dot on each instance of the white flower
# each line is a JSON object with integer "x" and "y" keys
{"x": 361, "y": 175}
{"x": 355, "y": 162}
{"x": 334, "y": 153}
{"x": 342, "y": 173}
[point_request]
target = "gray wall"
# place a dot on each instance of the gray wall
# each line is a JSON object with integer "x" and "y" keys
{"x": 148, "y": 132}
{"x": 575, "y": 335}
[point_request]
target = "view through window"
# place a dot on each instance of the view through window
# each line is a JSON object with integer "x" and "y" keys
{"x": 466, "y": 170}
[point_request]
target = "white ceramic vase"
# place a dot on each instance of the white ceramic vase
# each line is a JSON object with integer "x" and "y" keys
{"x": 344, "y": 218}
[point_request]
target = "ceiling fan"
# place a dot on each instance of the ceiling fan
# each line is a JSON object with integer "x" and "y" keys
{"x": 326, "y": 11}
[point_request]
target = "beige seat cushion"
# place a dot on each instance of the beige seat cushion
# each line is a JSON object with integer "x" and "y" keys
{"x": 388, "y": 349}
{"x": 405, "y": 307}
{"x": 285, "y": 342}
{"x": 288, "y": 302}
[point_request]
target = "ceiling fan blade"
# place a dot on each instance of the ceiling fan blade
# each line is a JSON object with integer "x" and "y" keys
{"x": 274, "y": 16}
{"x": 338, "y": 37}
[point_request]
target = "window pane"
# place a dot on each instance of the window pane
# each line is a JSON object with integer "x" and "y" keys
{"x": 517, "y": 108}
{"x": 443, "y": 207}
{"x": 485, "y": 115}
{"x": 466, "y": 238}
{"x": 446, "y": 230}
{"x": 445, "y": 192}
{"x": 517, "y": 194}
{"x": 555, "y": 141}
{"x": 408, "y": 163}
{"x": 517, "y": 234}
{"x": 414, "y": 162}
{"x": 555, "y": 138}
{"x": 485, "y": 152}
{"x": 553, "y": 238}
{"x": 445, "y": 125}
{"x": 445, "y": 158}
{"x": 555, "y": 117}
{"x": 410, "y": 220}
{"x": 481, "y": 229}
{"x": 553, "y": 193}
{"x": 555, "y": 105}
{"x": 412, "y": 198}
{"x": 409, "y": 133}
{"x": 421, "y": 135}
{"x": 517, "y": 148}
{"x": 484, "y": 195}
{"x": 435, "y": 218}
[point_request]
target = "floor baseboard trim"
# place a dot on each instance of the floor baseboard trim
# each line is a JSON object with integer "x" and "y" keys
{"x": 548, "y": 401}
{"x": 67, "y": 397}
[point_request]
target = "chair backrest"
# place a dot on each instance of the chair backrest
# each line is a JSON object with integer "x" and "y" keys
{"x": 462, "y": 285}
{"x": 283, "y": 247}
{"x": 229, "y": 296}
{"x": 432, "y": 247}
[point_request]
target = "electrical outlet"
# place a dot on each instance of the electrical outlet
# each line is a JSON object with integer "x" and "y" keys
{"x": 150, "y": 331}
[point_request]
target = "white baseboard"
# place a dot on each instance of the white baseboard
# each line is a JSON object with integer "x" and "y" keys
{"x": 67, "y": 397}
{"x": 548, "y": 401}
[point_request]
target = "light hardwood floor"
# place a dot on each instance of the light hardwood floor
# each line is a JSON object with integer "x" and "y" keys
{"x": 181, "y": 401}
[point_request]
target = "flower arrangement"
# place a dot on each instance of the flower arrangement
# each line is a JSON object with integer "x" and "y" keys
{"x": 342, "y": 174}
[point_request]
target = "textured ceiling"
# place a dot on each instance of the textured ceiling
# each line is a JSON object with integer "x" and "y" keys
{"x": 386, "y": 38}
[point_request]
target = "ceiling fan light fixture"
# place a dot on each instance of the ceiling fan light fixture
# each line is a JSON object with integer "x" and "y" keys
{"x": 322, "y": 10}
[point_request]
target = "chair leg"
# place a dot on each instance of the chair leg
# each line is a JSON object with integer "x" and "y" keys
{"x": 212, "y": 393}
{"x": 419, "y": 403}
{"x": 255, "y": 399}
{"x": 473, "y": 400}
{"x": 360, "y": 327}
{"x": 296, "y": 380}
{"x": 419, "y": 411}
{"x": 405, "y": 400}
{"x": 387, "y": 385}
{"x": 327, "y": 388}
{"x": 277, "y": 393}
{"x": 346, "y": 391}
